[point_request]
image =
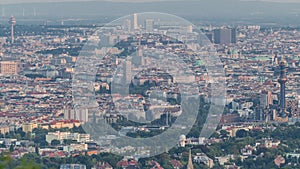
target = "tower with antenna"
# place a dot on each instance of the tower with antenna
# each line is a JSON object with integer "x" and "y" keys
{"x": 12, "y": 22}
{"x": 282, "y": 81}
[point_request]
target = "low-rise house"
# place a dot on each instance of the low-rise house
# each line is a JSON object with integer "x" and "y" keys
{"x": 247, "y": 150}
{"x": 72, "y": 166}
{"x": 202, "y": 158}
{"x": 176, "y": 164}
{"x": 155, "y": 165}
{"x": 77, "y": 147}
{"x": 279, "y": 160}
{"x": 225, "y": 159}
{"x": 268, "y": 143}
{"x": 127, "y": 163}
{"x": 103, "y": 165}
{"x": 4, "y": 129}
{"x": 231, "y": 167}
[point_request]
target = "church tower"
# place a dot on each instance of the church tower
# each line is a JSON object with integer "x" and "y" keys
{"x": 190, "y": 163}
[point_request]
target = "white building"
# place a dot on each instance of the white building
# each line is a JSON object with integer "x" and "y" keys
{"x": 67, "y": 135}
{"x": 72, "y": 166}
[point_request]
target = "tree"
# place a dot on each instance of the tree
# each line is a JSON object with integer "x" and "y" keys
{"x": 40, "y": 137}
{"x": 11, "y": 148}
{"x": 241, "y": 133}
{"x": 110, "y": 158}
{"x": 223, "y": 133}
{"x": 215, "y": 135}
{"x": 3, "y": 145}
{"x": 5, "y": 160}
{"x": 37, "y": 150}
{"x": 68, "y": 141}
{"x": 55, "y": 142}
{"x": 28, "y": 164}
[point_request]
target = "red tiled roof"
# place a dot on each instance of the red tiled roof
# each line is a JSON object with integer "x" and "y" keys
{"x": 122, "y": 163}
{"x": 176, "y": 163}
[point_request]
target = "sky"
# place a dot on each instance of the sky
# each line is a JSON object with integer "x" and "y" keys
{"x": 279, "y": 1}
{"x": 140, "y": 1}
{"x": 43, "y": 1}
{"x": 287, "y": 11}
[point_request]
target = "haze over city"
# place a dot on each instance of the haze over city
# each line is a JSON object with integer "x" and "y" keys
{"x": 139, "y": 84}
{"x": 273, "y": 11}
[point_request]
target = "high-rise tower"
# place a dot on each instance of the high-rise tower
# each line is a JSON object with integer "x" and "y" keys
{"x": 282, "y": 80}
{"x": 225, "y": 36}
{"x": 135, "y": 21}
{"x": 127, "y": 25}
{"x": 138, "y": 59}
{"x": 12, "y": 22}
{"x": 149, "y": 25}
{"x": 127, "y": 72}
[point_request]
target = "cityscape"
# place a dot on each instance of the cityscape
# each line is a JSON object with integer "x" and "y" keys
{"x": 148, "y": 90}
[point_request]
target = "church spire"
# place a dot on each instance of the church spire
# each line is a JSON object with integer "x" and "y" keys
{"x": 190, "y": 163}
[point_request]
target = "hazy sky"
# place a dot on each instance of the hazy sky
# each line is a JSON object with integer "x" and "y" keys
{"x": 218, "y": 10}
{"x": 281, "y": 1}
{"x": 39, "y": 1}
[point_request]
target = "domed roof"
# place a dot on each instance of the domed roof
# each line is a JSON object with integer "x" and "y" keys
{"x": 182, "y": 137}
